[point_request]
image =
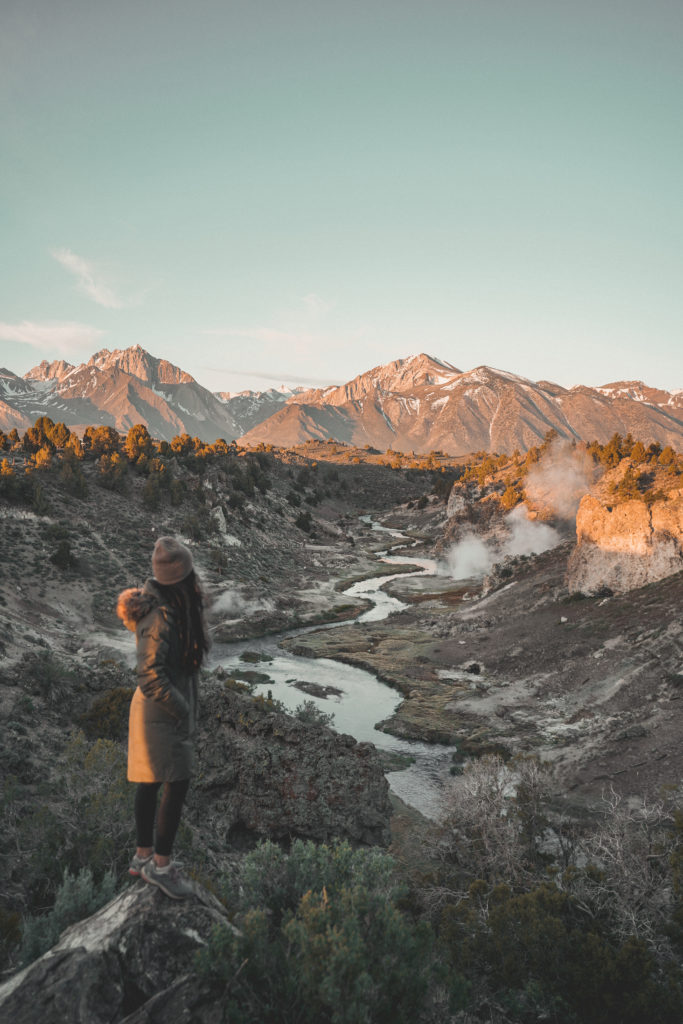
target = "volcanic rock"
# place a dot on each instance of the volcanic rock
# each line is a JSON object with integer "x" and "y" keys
{"x": 132, "y": 960}
{"x": 262, "y": 773}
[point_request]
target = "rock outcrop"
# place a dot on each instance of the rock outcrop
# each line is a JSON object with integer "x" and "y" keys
{"x": 262, "y": 773}
{"x": 626, "y": 544}
{"x": 132, "y": 961}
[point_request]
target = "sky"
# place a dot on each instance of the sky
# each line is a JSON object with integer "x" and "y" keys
{"x": 295, "y": 191}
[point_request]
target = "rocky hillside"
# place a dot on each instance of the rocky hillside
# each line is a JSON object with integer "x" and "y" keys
{"x": 270, "y": 537}
{"x": 586, "y": 691}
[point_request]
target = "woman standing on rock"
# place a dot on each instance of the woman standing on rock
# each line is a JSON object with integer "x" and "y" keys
{"x": 168, "y": 621}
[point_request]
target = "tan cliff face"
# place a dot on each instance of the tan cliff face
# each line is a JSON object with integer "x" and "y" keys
{"x": 625, "y": 544}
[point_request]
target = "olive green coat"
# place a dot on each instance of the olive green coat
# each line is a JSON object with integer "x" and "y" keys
{"x": 163, "y": 711}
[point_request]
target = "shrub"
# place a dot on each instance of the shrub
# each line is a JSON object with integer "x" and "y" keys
{"x": 71, "y": 475}
{"x": 200, "y": 525}
{"x": 309, "y": 712}
{"x": 322, "y": 940}
{"x": 151, "y": 492}
{"x": 545, "y": 958}
{"x": 63, "y": 556}
{"x": 98, "y": 820}
{"x": 494, "y": 822}
{"x": 77, "y": 897}
{"x": 113, "y": 472}
{"x": 40, "y": 502}
{"x": 304, "y": 521}
{"x": 107, "y": 716}
{"x": 511, "y": 497}
{"x": 43, "y": 675}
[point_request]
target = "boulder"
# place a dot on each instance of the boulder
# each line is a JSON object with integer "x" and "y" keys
{"x": 132, "y": 961}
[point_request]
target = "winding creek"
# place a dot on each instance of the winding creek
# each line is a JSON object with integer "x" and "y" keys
{"x": 363, "y": 700}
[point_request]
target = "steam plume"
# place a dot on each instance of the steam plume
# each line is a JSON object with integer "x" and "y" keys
{"x": 472, "y": 557}
{"x": 560, "y": 479}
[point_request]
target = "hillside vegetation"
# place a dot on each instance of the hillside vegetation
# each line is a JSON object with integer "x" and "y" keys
{"x": 505, "y": 912}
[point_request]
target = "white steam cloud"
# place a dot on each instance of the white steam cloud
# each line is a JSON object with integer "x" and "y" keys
{"x": 233, "y": 605}
{"x": 555, "y": 484}
{"x": 560, "y": 479}
{"x": 472, "y": 557}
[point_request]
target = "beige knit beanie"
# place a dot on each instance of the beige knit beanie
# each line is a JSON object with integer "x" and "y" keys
{"x": 171, "y": 561}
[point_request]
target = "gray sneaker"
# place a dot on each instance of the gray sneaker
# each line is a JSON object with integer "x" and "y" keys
{"x": 169, "y": 881}
{"x": 136, "y": 865}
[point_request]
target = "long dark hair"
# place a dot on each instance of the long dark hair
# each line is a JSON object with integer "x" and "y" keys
{"x": 186, "y": 601}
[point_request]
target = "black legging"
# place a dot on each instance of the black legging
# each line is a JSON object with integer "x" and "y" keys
{"x": 168, "y": 818}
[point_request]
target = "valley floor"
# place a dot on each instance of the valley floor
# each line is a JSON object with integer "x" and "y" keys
{"x": 591, "y": 686}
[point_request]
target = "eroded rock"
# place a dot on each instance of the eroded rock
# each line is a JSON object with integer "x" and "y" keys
{"x": 625, "y": 545}
{"x": 131, "y": 960}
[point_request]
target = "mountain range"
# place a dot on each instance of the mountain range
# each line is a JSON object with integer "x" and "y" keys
{"x": 419, "y": 404}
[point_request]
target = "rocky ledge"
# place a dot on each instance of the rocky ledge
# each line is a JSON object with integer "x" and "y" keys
{"x": 262, "y": 773}
{"x": 132, "y": 961}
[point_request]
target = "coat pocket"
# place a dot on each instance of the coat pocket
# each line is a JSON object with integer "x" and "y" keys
{"x": 182, "y": 727}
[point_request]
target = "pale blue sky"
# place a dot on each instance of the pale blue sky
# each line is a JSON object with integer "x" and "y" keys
{"x": 264, "y": 191}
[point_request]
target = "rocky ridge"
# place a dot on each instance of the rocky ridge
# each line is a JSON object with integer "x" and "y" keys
{"x": 263, "y": 774}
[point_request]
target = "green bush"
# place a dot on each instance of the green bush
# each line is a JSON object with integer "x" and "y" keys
{"x": 63, "y": 556}
{"x": 545, "y": 958}
{"x": 308, "y": 711}
{"x": 322, "y": 940}
{"x": 304, "y": 522}
{"x": 71, "y": 476}
{"x": 77, "y": 897}
{"x": 107, "y": 716}
{"x": 40, "y": 502}
{"x": 43, "y": 675}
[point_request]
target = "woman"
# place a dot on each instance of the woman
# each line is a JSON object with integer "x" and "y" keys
{"x": 168, "y": 621}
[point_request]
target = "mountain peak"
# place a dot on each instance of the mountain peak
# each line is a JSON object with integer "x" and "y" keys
{"x": 139, "y": 363}
{"x": 56, "y": 370}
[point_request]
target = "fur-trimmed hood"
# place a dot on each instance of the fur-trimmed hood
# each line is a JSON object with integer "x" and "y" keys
{"x": 135, "y": 603}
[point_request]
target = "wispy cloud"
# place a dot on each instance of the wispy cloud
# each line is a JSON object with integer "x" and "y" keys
{"x": 88, "y": 279}
{"x": 275, "y": 377}
{"x": 300, "y": 325}
{"x": 270, "y": 335}
{"x": 63, "y": 338}
{"x": 315, "y": 306}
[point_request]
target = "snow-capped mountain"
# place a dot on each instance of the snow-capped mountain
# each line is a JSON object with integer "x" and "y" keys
{"x": 249, "y": 408}
{"x": 416, "y": 404}
{"x": 422, "y": 404}
{"x": 119, "y": 389}
{"x": 129, "y": 386}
